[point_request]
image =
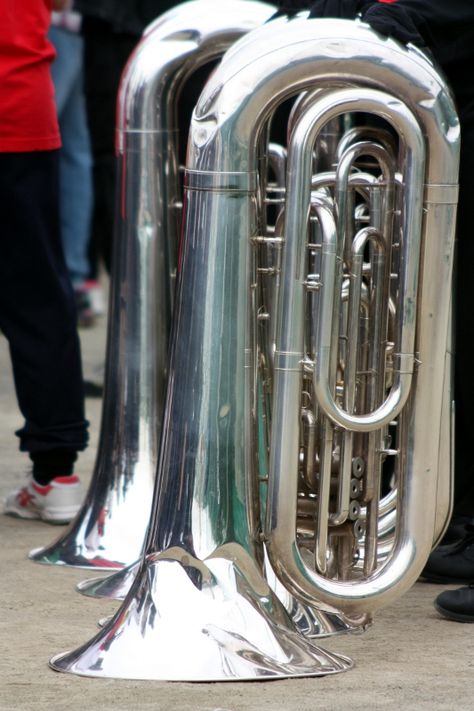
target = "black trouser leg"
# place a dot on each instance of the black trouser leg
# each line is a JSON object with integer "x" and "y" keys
{"x": 37, "y": 310}
{"x": 105, "y": 55}
{"x": 464, "y": 332}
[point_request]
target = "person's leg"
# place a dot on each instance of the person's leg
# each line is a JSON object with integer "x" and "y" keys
{"x": 64, "y": 67}
{"x": 37, "y": 313}
{"x": 454, "y": 562}
{"x": 464, "y": 333}
{"x": 76, "y": 196}
{"x": 105, "y": 55}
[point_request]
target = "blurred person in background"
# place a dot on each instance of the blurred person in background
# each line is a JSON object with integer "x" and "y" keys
{"x": 75, "y": 159}
{"x": 37, "y": 305}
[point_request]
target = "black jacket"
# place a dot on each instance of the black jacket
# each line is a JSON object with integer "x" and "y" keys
{"x": 130, "y": 16}
{"x": 445, "y": 27}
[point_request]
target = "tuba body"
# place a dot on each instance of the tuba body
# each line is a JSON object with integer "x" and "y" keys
{"x": 200, "y": 607}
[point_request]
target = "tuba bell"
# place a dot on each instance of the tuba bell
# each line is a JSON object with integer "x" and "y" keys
{"x": 356, "y": 380}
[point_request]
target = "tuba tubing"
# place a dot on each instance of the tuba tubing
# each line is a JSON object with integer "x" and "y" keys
{"x": 223, "y": 144}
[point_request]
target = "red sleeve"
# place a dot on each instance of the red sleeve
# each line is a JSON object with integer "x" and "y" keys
{"x": 28, "y": 120}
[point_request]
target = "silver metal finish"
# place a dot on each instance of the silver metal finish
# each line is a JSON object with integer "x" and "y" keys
{"x": 230, "y": 627}
{"x": 308, "y": 620}
{"x": 200, "y": 607}
{"x": 109, "y": 530}
{"x": 149, "y": 219}
{"x": 418, "y": 508}
{"x": 113, "y": 587}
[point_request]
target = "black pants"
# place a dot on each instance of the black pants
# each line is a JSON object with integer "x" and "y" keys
{"x": 105, "y": 55}
{"x": 464, "y": 331}
{"x": 37, "y": 309}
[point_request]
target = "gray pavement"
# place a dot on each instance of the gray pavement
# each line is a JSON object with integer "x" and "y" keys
{"x": 409, "y": 659}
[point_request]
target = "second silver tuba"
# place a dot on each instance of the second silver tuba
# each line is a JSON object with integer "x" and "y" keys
{"x": 108, "y": 531}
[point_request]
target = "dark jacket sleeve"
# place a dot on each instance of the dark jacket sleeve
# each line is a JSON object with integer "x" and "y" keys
{"x": 130, "y": 16}
{"x": 149, "y": 10}
{"x": 447, "y": 28}
{"x": 440, "y": 12}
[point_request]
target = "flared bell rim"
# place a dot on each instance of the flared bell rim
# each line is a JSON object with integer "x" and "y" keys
{"x": 200, "y": 621}
{"x": 112, "y": 587}
{"x": 51, "y": 555}
{"x": 59, "y": 664}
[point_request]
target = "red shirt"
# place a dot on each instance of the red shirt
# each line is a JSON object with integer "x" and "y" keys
{"x": 28, "y": 120}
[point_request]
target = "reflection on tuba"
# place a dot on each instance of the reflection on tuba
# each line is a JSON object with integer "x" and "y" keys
{"x": 356, "y": 383}
{"x": 109, "y": 530}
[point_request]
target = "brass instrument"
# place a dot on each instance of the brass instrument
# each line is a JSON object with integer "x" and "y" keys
{"x": 350, "y": 277}
{"x": 109, "y": 530}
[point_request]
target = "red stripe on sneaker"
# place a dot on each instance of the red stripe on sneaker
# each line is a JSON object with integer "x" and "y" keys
{"x": 43, "y": 490}
{"x": 24, "y": 497}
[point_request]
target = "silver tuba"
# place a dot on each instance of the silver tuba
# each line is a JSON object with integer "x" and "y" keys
{"x": 200, "y": 607}
{"x": 108, "y": 532}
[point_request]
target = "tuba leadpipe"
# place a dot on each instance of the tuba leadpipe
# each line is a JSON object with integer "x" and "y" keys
{"x": 200, "y": 607}
{"x": 109, "y": 530}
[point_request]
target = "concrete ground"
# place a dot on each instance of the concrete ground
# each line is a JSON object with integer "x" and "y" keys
{"x": 409, "y": 659}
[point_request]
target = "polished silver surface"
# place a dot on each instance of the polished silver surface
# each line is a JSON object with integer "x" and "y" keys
{"x": 112, "y": 587}
{"x": 194, "y": 620}
{"x": 146, "y": 139}
{"x": 109, "y": 530}
{"x": 418, "y": 501}
{"x": 308, "y": 620}
{"x": 227, "y": 142}
{"x": 200, "y": 607}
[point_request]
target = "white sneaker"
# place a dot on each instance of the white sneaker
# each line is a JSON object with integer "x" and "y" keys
{"x": 57, "y": 502}
{"x": 97, "y": 299}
